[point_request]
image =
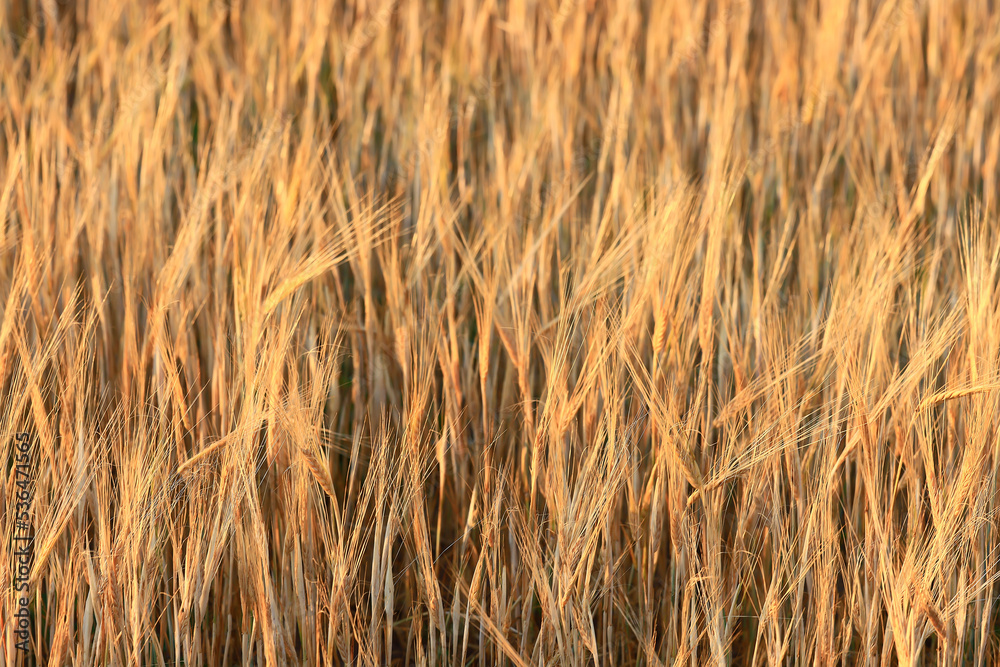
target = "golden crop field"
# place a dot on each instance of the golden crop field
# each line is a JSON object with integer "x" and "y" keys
{"x": 499, "y": 332}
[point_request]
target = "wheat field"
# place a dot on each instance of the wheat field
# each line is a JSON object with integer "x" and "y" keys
{"x": 500, "y": 332}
